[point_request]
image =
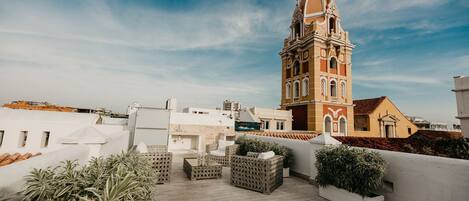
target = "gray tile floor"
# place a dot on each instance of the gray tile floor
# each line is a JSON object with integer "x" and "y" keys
{"x": 181, "y": 188}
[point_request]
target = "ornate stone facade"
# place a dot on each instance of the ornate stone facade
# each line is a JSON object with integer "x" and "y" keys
{"x": 317, "y": 69}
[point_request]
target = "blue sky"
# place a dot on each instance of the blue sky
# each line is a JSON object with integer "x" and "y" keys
{"x": 112, "y": 53}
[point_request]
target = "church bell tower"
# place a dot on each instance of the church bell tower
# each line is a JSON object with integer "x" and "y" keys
{"x": 317, "y": 69}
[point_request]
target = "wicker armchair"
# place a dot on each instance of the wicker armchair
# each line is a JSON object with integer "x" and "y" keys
{"x": 262, "y": 175}
{"x": 224, "y": 160}
{"x": 161, "y": 161}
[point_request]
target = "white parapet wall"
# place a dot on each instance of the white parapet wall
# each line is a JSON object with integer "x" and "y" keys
{"x": 409, "y": 177}
{"x": 417, "y": 177}
{"x": 12, "y": 176}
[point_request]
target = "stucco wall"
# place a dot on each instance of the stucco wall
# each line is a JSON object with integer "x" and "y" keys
{"x": 461, "y": 88}
{"x": 385, "y": 108}
{"x": 425, "y": 178}
{"x": 58, "y": 124}
{"x": 409, "y": 177}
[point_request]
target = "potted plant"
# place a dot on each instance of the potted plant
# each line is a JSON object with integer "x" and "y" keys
{"x": 126, "y": 176}
{"x": 351, "y": 174}
{"x": 253, "y": 145}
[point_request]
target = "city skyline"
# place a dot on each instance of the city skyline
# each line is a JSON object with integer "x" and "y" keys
{"x": 110, "y": 54}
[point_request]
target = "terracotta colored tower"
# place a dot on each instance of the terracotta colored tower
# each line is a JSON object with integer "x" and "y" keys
{"x": 317, "y": 69}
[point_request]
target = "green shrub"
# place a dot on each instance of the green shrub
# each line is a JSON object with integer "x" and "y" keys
{"x": 454, "y": 148}
{"x": 253, "y": 145}
{"x": 126, "y": 176}
{"x": 356, "y": 170}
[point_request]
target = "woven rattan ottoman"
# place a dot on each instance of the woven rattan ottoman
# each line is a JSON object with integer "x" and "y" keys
{"x": 195, "y": 171}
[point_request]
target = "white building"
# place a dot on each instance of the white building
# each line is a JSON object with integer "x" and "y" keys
{"x": 231, "y": 105}
{"x": 190, "y": 130}
{"x": 429, "y": 125}
{"x": 461, "y": 87}
{"x": 215, "y": 112}
{"x": 23, "y": 131}
{"x": 269, "y": 119}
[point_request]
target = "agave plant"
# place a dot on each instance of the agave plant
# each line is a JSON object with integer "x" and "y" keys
{"x": 126, "y": 176}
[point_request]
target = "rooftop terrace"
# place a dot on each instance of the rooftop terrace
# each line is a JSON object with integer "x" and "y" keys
{"x": 181, "y": 188}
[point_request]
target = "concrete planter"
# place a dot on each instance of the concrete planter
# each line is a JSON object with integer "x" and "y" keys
{"x": 333, "y": 193}
{"x": 286, "y": 172}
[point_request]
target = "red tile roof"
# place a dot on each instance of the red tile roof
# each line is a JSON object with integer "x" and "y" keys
{"x": 7, "y": 159}
{"x": 29, "y": 105}
{"x": 367, "y": 106}
{"x": 295, "y": 135}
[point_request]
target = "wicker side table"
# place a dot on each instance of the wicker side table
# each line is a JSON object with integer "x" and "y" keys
{"x": 195, "y": 171}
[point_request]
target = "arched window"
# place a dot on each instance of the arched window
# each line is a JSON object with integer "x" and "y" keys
{"x": 333, "y": 88}
{"x": 297, "y": 30}
{"x": 305, "y": 87}
{"x": 342, "y": 126}
{"x": 288, "y": 90}
{"x": 333, "y": 63}
{"x": 343, "y": 88}
{"x": 327, "y": 124}
{"x": 324, "y": 87}
{"x": 296, "y": 68}
{"x": 331, "y": 25}
{"x": 296, "y": 89}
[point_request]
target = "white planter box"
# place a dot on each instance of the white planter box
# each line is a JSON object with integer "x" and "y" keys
{"x": 333, "y": 193}
{"x": 286, "y": 172}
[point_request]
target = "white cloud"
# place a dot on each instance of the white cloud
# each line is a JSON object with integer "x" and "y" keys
{"x": 398, "y": 79}
{"x": 384, "y": 14}
{"x": 93, "y": 55}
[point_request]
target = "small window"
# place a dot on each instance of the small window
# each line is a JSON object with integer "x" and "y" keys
{"x": 23, "y": 139}
{"x": 288, "y": 91}
{"x": 296, "y": 89}
{"x": 296, "y": 68}
{"x": 297, "y": 31}
{"x": 288, "y": 73}
{"x": 45, "y": 139}
{"x": 323, "y": 87}
{"x": 333, "y": 88}
{"x": 1, "y": 137}
{"x": 280, "y": 125}
{"x": 327, "y": 125}
{"x": 332, "y": 25}
{"x": 333, "y": 63}
{"x": 265, "y": 124}
{"x": 409, "y": 130}
{"x": 305, "y": 87}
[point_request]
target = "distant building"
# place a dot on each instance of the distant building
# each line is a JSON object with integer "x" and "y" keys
{"x": 46, "y": 106}
{"x": 231, "y": 105}
{"x": 228, "y": 113}
{"x": 461, "y": 88}
{"x": 189, "y": 130}
{"x": 429, "y": 125}
{"x": 379, "y": 117}
{"x": 33, "y": 131}
{"x": 264, "y": 119}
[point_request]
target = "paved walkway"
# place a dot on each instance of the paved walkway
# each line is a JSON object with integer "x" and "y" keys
{"x": 181, "y": 188}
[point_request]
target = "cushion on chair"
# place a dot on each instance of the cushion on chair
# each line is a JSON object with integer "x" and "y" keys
{"x": 142, "y": 148}
{"x": 217, "y": 153}
{"x": 266, "y": 155}
{"x": 222, "y": 144}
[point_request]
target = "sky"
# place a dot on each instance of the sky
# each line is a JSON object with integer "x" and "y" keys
{"x": 95, "y": 53}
